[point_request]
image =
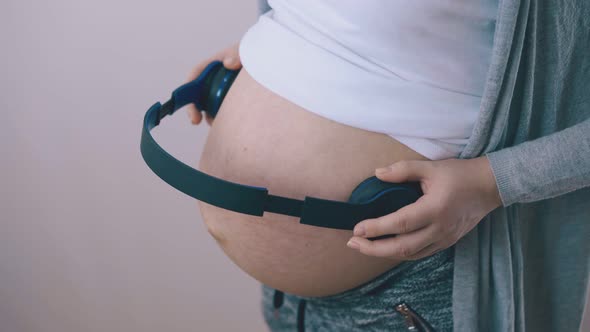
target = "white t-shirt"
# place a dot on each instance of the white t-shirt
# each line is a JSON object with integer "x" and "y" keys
{"x": 414, "y": 70}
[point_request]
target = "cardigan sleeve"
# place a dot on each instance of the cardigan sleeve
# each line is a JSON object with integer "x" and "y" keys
{"x": 262, "y": 7}
{"x": 546, "y": 167}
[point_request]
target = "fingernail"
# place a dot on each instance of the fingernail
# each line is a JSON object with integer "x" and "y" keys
{"x": 359, "y": 230}
{"x": 228, "y": 61}
{"x": 382, "y": 170}
{"x": 353, "y": 244}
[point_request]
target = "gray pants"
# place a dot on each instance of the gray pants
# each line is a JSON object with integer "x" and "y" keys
{"x": 426, "y": 285}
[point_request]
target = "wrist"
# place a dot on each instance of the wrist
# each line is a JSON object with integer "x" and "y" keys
{"x": 488, "y": 182}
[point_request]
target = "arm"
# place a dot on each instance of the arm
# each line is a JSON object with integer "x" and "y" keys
{"x": 545, "y": 167}
{"x": 459, "y": 193}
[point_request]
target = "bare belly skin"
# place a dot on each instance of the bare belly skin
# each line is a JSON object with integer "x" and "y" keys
{"x": 259, "y": 138}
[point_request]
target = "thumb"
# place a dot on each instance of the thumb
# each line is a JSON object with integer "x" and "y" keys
{"x": 404, "y": 171}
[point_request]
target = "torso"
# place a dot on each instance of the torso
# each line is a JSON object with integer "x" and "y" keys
{"x": 259, "y": 138}
{"x": 416, "y": 69}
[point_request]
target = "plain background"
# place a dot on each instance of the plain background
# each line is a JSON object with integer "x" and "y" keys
{"x": 90, "y": 238}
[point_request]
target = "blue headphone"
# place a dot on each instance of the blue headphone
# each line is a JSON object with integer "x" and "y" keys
{"x": 371, "y": 198}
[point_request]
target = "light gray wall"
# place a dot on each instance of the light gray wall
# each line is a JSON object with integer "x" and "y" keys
{"x": 90, "y": 238}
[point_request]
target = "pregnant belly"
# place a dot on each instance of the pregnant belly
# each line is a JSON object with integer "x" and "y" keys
{"x": 259, "y": 138}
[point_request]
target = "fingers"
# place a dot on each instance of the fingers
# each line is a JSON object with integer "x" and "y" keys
{"x": 429, "y": 250}
{"x": 209, "y": 119}
{"x": 229, "y": 56}
{"x": 231, "y": 60}
{"x": 194, "y": 115}
{"x": 404, "y": 246}
{"x": 405, "y": 170}
{"x": 407, "y": 219}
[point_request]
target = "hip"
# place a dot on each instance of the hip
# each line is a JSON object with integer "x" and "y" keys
{"x": 425, "y": 285}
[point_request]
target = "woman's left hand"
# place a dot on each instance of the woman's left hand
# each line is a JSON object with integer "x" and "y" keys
{"x": 458, "y": 194}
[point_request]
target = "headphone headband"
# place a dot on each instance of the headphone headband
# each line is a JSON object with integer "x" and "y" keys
{"x": 247, "y": 199}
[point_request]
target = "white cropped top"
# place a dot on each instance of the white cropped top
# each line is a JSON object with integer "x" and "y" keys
{"x": 414, "y": 70}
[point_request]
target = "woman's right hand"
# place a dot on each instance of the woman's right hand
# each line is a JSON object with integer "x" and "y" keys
{"x": 231, "y": 60}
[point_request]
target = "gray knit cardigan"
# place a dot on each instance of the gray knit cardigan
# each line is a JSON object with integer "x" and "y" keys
{"x": 525, "y": 266}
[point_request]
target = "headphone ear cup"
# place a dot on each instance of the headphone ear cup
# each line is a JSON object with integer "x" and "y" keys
{"x": 397, "y": 195}
{"x": 219, "y": 85}
{"x": 368, "y": 189}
